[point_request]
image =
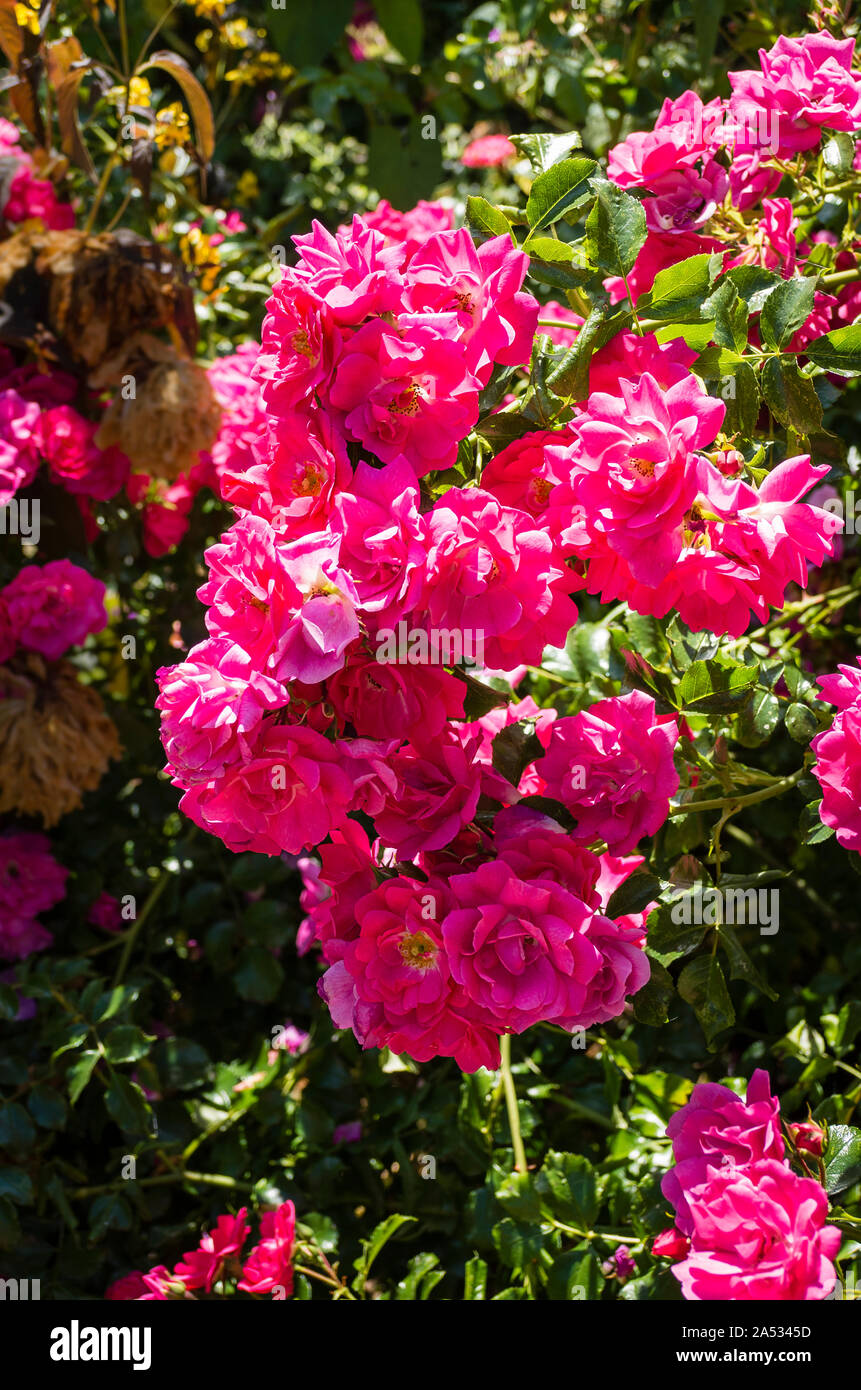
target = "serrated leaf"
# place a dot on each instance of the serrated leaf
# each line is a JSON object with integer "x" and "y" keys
{"x": 703, "y": 986}
{"x": 839, "y": 351}
{"x": 615, "y": 229}
{"x": 842, "y": 1158}
{"x": 486, "y": 218}
{"x": 543, "y": 151}
{"x": 557, "y": 190}
{"x": 790, "y": 396}
{"x": 788, "y": 306}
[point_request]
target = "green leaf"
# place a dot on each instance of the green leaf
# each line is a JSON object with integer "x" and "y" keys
{"x": 669, "y": 934}
{"x": 634, "y": 895}
{"x": 402, "y": 22}
{"x": 790, "y": 396}
{"x": 812, "y": 827}
{"x": 259, "y": 976}
{"x": 574, "y": 1276}
{"x": 8, "y": 1002}
{"x": 788, "y": 306}
{"x": 687, "y": 646}
{"x": 801, "y": 723}
{"x": 730, "y": 314}
{"x": 556, "y": 191}
{"x": 716, "y": 687}
{"x": 484, "y": 217}
{"x": 615, "y": 229}
{"x": 47, "y": 1107}
{"x": 305, "y": 34}
{"x": 842, "y": 1158}
{"x": 651, "y": 1004}
{"x": 371, "y": 1247}
{"x": 754, "y": 283}
{"x": 679, "y": 291}
{"x": 571, "y": 377}
{"x": 838, "y": 152}
{"x": 182, "y": 1063}
{"x": 839, "y": 351}
{"x": 741, "y": 967}
{"x": 519, "y": 1243}
{"x": 402, "y": 165}
{"x": 543, "y": 151}
{"x": 110, "y": 1212}
{"x": 743, "y": 401}
{"x": 703, "y": 986}
{"x": 79, "y": 1074}
{"x": 569, "y": 1189}
{"x": 16, "y": 1185}
{"x": 126, "y": 1043}
{"x": 475, "y": 1280}
{"x": 758, "y": 720}
{"x": 126, "y": 1105}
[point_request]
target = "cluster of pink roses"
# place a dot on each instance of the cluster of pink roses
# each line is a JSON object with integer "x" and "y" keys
{"x": 747, "y": 1226}
{"x": 627, "y": 489}
{"x": 31, "y": 881}
{"x": 23, "y": 196}
{"x": 266, "y": 1269}
{"x": 838, "y": 757}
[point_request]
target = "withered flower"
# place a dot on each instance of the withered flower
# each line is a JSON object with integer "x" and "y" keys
{"x": 55, "y": 738}
{"x": 169, "y": 417}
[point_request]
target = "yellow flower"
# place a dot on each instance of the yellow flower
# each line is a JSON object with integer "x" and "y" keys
{"x": 27, "y": 16}
{"x": 140, "y": 92}
{"x": 247, "y": 187}
{"x": 171, "y": 126}
{"x": 201, "y": 256}
{"x": 210, "y": 9}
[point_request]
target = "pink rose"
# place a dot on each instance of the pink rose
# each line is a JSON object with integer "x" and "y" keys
{"x": 20, "y": 441}
{"x": 716, "y": 1128}
{"x": 487, "y": 151}
{"x": 758, "y": 1233}
{"x": 805, "y": 84}
{"x": 269, "y": 1264}
{"x": 520, "y": 949}
{"x": 55, "y": 606}
{"x": 31, "y": 880}
{"x": 210, "y": 704}
{"x": 612, "y": 766}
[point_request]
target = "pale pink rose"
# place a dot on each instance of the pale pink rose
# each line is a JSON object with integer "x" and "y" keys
{"x": 210, "y": 704}
{"x": 20, "y": 441}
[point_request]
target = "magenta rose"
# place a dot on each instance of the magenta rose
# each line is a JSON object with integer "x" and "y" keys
{"x": 520, "y": 948}
{"x": 55, "y": 606}
{"x": 31, "y": 880}
{"x": 612, "y": 766}
{"x": 758, "y": 1233}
